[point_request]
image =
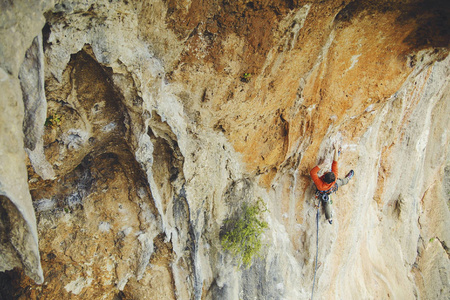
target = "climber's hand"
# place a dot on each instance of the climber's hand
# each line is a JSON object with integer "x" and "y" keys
{"x": 337, "y": 150}
{"x": 337, "y": 146}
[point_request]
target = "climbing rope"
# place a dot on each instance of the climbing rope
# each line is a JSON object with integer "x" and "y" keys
{"x": 317, "y": 252}
{"x": 317, "y": 237}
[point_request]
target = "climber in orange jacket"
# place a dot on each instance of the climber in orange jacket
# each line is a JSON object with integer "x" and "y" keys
{"x": 327, "y": 183}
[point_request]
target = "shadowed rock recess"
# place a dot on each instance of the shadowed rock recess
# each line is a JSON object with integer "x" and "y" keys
{"x": 131, "y": 131}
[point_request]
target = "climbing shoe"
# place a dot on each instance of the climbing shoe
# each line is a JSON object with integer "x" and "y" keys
{"x": 330, "y": 221}
{"x": 350, "y": 174}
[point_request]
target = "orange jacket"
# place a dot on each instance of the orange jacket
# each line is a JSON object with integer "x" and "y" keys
{"x": 320, "y": 184}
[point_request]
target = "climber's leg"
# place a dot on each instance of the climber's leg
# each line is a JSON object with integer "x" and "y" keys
{"x": 327, "y": 209}
{"x": 343, "y": 181}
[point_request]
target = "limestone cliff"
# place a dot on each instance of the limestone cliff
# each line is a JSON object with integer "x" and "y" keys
{"x": 132, "y": 130}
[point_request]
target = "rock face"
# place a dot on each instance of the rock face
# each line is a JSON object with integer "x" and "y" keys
{"x": 132, "y": 130}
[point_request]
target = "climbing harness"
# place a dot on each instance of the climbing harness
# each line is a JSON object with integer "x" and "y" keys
{"x": 325, "y": 195}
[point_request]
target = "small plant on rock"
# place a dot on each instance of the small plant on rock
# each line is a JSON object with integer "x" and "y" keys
{"x": 246, "y": 77}
{"x": 53, "y": 120}
{"x": 241, "y": 236}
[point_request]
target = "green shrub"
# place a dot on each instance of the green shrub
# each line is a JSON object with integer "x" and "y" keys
{"x": 242, "y": 235}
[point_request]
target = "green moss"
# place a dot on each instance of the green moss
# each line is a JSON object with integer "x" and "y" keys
{"x": 242, "y": 237}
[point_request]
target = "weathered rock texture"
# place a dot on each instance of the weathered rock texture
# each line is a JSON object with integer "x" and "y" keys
{"x": 143, "y": 136}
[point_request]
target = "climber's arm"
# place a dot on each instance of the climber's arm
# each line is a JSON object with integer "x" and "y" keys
{"x": 334, "y": 165}
{"x": 315, "y": 177}
{"x": 317, "y": 182}
{"x": 336, "y": 152}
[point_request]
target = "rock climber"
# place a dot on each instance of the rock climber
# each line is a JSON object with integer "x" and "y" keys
{"x": 327, "y": 183}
